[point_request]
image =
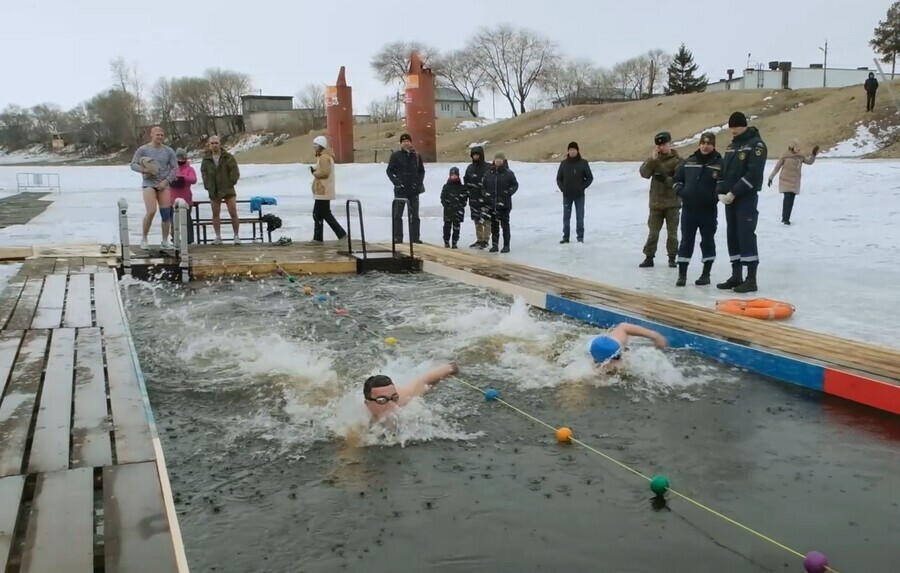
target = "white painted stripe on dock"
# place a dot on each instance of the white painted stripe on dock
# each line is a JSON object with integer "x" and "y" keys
{"x": 532, "y": 297}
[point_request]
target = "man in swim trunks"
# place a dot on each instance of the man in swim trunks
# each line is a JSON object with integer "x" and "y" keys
{"x": 383, "y": 397}
{"x": 607, "y": 349}
{"x": 157, "y": 163}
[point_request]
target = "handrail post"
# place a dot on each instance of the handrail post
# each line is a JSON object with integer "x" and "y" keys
{"x": 181, "y": 242}
{"x": 123, "y": 236}
{"x": 408, "y": 224}
{"x": 362, "y": 227}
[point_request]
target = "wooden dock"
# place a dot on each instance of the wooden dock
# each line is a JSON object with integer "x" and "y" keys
{"x": 263, "y": 259}
{"x": 83, "y": 484}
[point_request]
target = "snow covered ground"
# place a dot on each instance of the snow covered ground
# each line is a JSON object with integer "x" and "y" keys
{"x": 839, "y": 263}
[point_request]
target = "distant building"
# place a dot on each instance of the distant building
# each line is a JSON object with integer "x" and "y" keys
{"x": 275, "y": 114}
{"x": 595, "y": 96}
{"x": 449, "y": 104}
{"x": 783, "y": 75}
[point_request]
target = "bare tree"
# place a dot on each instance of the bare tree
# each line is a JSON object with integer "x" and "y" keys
{"x": 567, "y": 82}
{"x": 126, "y": 80}
{"x": 195, "y": 101}
{"x": 658, "y": 64}
{"x": 163, "y": 105}
{"x": 312, "y": 97}
{"x": 228, "y": 86}
{"x": 384, "y": 110}
{"x": 461, "y": 71}
{"x": 638, "y": 73}
{"x": 513, "y": 60}
{"x": 391, "y": 62}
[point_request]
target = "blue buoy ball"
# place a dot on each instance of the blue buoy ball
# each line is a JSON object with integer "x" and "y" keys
{"x": 490, "y": 394}
{"x": 321, "y": 298}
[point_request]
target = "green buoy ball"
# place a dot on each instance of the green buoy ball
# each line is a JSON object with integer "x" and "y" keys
{"x": 659, "y": 484}
{"x": 291, "y": 279}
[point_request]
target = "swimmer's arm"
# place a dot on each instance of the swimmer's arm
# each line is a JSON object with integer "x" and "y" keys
{"x": 627, "y": 330}
{"x": 430, "y": 378}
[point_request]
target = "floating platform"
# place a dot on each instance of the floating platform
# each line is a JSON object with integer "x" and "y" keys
{"x": 83, "y": 482}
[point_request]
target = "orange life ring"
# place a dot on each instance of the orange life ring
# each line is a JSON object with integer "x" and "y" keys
{"x": 761, "y": 308}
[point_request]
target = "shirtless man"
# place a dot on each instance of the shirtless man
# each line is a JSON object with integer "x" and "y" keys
{"x": 157, "y": 163}
{"x": 607, "y": 349}
{"x": 383, "y": 397}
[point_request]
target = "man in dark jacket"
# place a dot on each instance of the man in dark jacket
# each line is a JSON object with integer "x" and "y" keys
{"x": 474, "y": 180}
{"x": 695, "y": 184}
{"x": 407, "y": 172}
{"x": 220, "y": 173}
{"x": 573, "y": 177}
{"x": 664, "y": 203}
{"x": 871, "y": 86}
{"x": 500, "y": 184}
{"x": 743, "y": 173}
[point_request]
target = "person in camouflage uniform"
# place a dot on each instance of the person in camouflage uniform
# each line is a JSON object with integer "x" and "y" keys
{"x": 665, "y": 205}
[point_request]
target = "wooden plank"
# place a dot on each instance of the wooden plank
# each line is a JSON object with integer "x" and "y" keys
{"x": 91, "y": 444}
{"x": 62, "y": 267}
{"x": 60, "y": 533}
{"x": 50, "y": 444}
{"x": 78, "y": 302}
{"x": 10, "y": 497}
{"x": 17, "y": 406}
{"x": 50, "y": 306}
{"x": 90, "y": 266}
{"x": 21, "y": 317}
{"x": 9, "y": 348}
{"x": 129, "y": 416}
{"x": 9, "y": 298}
{"x": 15, "y": 254}
{"x": 76, "y": 264}
{"x": 137, "y": 537}
{"x": 110, "y": 316}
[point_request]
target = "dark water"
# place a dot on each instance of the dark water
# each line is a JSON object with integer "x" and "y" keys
{"x": 243, "y": 378}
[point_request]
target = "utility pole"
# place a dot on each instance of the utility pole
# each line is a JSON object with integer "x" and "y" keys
{"x": 825, "y": 64}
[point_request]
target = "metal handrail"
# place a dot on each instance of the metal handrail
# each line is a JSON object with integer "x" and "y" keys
{"x": 362, "y": 227}
{"x": 409, "y": 227}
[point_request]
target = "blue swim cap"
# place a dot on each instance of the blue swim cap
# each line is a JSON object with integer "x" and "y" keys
{"x": 604, "y": 348}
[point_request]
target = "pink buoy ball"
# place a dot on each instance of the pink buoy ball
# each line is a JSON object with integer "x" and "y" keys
{"x": 815, "y": 562}
{"x": 341, "y": 311}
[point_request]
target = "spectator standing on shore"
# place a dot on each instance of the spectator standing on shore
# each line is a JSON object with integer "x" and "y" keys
{"x": 220, "y": 173}
{"x": 156, "y": 162}
{"x": 871, "y": 86}
{"x": 323, "y": 190}
{"x": 474, "y": 180}
{"x": 572, "y": 178}
{"x": 664, "y": 203}
{"x": 181, "y": 189}
{"x": 453, "y": 199}
{"x": 500, "y": 184}
{"x": 407, "y": 172}
{"x": 790, "y": 165}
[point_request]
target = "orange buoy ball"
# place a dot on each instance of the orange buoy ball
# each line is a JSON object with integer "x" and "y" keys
{"x": 563, "y": 435}
{"x": 307, "y": 291}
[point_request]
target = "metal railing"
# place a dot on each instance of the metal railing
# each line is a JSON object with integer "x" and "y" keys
{"x": 181, "y": 239}
{"x": 362, "y": 228}
{"x": 409, "y": 226}
{"x": 123, "y": 236}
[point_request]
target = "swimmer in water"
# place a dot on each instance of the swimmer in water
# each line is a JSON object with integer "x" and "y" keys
{"x": 383, "y": 398}
{"x": 607, "y": 349}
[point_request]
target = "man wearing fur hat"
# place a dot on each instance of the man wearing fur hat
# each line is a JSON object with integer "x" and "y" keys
{"x": 743, "y": 173}
{"x": 572, "y": 178}
{"x": 664, "y": 203}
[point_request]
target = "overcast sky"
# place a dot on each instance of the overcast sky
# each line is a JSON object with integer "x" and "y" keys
{"x": 59, "y": 50}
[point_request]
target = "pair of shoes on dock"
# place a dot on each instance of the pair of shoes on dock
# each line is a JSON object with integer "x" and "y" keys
{"x": 108, "y": 249}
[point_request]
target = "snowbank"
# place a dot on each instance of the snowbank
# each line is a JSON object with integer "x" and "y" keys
{"x": 475, "y": 123}
{"x": 868, "y": 139}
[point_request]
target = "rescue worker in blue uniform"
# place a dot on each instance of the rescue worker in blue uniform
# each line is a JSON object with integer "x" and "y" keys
{"x": 695, "y": 184}
{"x": 743, "y": 173}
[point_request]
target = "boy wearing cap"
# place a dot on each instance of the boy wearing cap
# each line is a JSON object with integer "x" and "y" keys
{"x": 743, "y": 173}
{"x": 572, "y": 178}
{"x": 695, "y": 183}
{"x": 664, "y": 203}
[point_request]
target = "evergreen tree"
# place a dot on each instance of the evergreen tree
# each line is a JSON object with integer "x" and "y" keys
{"x": 886, "y": 40}
{"x": 681, "y": 74}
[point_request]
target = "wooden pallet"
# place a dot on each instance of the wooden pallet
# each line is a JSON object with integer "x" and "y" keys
{"x": 261, "y": 259}
{"x": 80, "y": 486}
{"x": 883, "y": 363}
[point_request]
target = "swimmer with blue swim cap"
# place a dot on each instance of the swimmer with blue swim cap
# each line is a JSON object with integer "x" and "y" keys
{"x": 606, "y": 349}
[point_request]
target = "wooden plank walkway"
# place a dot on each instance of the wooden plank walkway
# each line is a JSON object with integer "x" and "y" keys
{"x": 83, "y": 486}
{"x": 261, "y": 259}
{"x": 883, "y": 363}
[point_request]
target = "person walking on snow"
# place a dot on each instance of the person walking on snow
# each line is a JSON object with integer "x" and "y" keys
{"x": 789, "y": 164}
{"x": 407, "y": 172}
{"x": 695, "y": 184}
{"x": 157, "y": 163}
{"x": 871, "y": 86}
{"x": 664, "y": 203}
{"x": 474, "y": 180}
{"x": 500, "y": 184}
{"x": 572, "y": 178}
{"x": 323, "y": 190}
{"x": 453, "y": 198}
{"x": 743, "y": 170}
{"x": 181, "y": 189}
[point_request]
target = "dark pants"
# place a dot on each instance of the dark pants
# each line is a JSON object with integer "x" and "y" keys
{"x": 397, "y": 210}
{"x": 870, "y": 101}
{"x": 691, "y": 222}
{"x": 500, "y": 219}
{"x": 579, "y": 216}
{"x": 787, "y": 206}
{"x": 655, "y": 223}
{"x": 741, "y": 217}
{"x": 451, "y": 229}
{"x": 322, "y": 214}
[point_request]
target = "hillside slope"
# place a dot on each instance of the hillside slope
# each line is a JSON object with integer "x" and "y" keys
{"x": 624, "y": 131}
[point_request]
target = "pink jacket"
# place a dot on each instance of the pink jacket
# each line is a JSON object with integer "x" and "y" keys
{"x": 190, "y": 177}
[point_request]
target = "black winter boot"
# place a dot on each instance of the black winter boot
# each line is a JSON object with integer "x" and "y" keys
{"x": 648, "y": 262}
{"x": 505, "y": 248}
{"x": 446, "y": 244}
{"x": 682, "y": 274}
{"x": 494, "y": 248}
{"x": 735, "y": 278}
{"x": 564, "y": 241}
{"x": 704, "y": 276}
{"x": 748, "y": 285}
{"x": 672, "y": 261}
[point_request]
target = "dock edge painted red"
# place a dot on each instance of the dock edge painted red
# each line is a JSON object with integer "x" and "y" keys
{"x": 856, "y": 388}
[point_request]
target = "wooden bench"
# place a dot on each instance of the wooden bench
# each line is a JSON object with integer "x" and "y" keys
{"x": 256, "y": 223}
{"x": 80, "y": 487}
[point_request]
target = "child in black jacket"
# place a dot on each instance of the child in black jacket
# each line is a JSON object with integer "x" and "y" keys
{"x": 454, "y": 196}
